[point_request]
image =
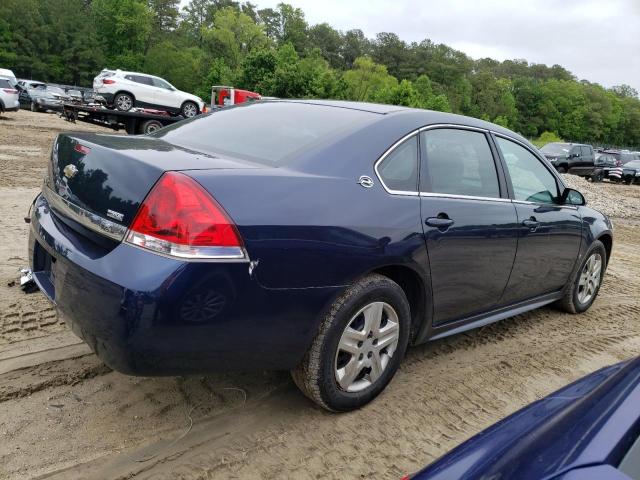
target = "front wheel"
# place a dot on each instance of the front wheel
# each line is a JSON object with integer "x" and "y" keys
{"x": 359, "y": 346}
{"x": 34, "y": 107}
{"x": 562, "y": 169}
{"x": 150, "y": 126}
{"x": 586, "y": 281}
{"x": 189, "y": 109}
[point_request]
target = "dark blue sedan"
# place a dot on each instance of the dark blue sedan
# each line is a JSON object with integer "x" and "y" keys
{"x": 589, "y": 430}
{"x": 314, "y": 236}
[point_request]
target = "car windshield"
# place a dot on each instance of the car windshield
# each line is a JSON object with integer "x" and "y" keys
{"x": 556, "y": 148}
{"x": 55, "y": 90}
{"x": 633, "y": 164}
{"x": 269, "y": 132}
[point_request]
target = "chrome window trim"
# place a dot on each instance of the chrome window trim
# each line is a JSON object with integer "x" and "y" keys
{"x": 464, "y": 197}
{"x": 388, "y": 152}
{"x": 417, "y": 131}
{"x": 84, "y": 217}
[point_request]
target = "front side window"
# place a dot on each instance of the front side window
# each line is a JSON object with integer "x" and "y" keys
{"x": 158, "y": 82}
{"x": 531, "y": 181}
{"x": 586, "y": 151}
{"x": 458, "y": 162}
{"x": 399, "y": 169}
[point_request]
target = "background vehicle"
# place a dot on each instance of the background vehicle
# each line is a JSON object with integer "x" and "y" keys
{"x": 4, "y": 72}
{"x": 604, "y": 165}
{"x": 631, "y": 172}
{"x": 125, "y": 90}
{"x": 333, "y": 280}
{"x": 574, "y": 158}
{"x": 47, "y": 98}
{"x": 223, "y": 96}
{"x": 8, "y": 96}
{"x": 587, "y": 430}
{"x": 623, "y": 156}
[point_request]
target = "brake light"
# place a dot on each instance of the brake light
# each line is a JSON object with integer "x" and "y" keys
{"x": 181, "y": 219}
{"x": 82, "y": 149}
{"x": 108, "y": 81}
{"x": 10, "y": 90}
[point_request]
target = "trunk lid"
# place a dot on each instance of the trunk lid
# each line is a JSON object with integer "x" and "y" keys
{"x": 100, "y": 181}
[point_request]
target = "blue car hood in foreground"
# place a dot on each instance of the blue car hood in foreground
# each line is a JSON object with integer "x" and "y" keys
{"x": 581, "y": 431}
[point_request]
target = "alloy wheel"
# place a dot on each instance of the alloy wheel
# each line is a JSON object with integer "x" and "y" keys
{"x": 124, "y": 103}
{"x": 589, "y": 278}
{"x": 190, "y": 110}
{"x": 366, "y": 346}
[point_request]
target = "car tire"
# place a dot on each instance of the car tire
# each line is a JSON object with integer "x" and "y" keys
{"x": 123, "y": 102}
{"x": 562, "y": 169}
{"x": 573, "y": 300}
{"x": 189, "y": 109}
{"x": 34, "y": 107}
{"x": 384, "y": 303}
{"x": 150, "y": 126}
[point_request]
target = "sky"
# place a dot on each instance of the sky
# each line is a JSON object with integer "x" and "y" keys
{"x": 597, "y": 40}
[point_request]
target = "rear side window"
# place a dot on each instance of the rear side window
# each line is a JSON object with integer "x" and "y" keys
{"x": 458, "y": 162}
{"x": 399, "y": 169}
{"x": 586, "y": 151}
{"x": 531, "y": 181}
{"x": 269, "y": 132}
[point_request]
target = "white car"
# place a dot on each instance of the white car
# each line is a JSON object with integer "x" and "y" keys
{"x": 6, "y": 73}
{"x": 125, "y": 90}
{"x": 8, "y": 96}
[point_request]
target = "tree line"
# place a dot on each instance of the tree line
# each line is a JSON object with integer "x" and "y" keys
{"x": 277, "y": 53}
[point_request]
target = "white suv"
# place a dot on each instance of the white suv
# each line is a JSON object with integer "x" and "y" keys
{"x": 125, "y": 90}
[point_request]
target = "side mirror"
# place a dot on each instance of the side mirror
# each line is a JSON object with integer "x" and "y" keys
{"x": 572, "y": 197}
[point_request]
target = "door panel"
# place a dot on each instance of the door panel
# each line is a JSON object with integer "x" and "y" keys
{"x": 470, "y": 228}
{"x": 546, "y": 253}
{"x": 471, "y": 259}
{"x": 549, "y": 234}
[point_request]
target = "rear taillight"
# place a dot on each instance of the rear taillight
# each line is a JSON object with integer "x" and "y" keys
{"x": 10, "y": 90}
{"x": 82, "y": 149}
{"x": 107, "y": 81}
{"x": 181, "y": 219}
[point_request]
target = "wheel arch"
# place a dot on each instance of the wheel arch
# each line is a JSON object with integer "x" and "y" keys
{"x": 190, "y": 101}
{"x": 607, "y": 241}
{"x": 414, "y": 287}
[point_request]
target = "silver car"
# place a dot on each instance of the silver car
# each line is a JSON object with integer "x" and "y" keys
{"x": 47, "y": 98}
{"x": 8, "y": 96}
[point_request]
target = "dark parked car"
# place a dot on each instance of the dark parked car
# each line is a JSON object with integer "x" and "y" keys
{"x": 631, "y": 172}
{"x": 574, "y": 158}
{"x": 316, "y": 236}
{"x": 589, "y": 430}
{"x": 606, "y": 166}
{"x": 623, "y": 156}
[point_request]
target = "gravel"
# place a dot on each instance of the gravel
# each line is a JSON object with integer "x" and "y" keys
{"x": 612, "y": 199}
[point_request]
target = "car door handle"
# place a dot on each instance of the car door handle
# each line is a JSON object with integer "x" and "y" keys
{"x": 531, "y": 223}
{"x": 439, "y": 222}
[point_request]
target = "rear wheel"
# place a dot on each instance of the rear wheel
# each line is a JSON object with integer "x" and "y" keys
{"x": 150, "y": 126}
{"x": 586, "y": 281}
{"x": 359, "y": 346}
{"x": 34, "y": 107}
{"x": 123, "y": 102}
{"x": 189, "y": 109}
{"x": 562, "y": 169}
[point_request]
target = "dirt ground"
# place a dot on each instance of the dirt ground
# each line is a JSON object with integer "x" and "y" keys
{"x": 63, "y": 414}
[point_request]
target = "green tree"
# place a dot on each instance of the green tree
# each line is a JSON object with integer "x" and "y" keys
{"x": 366, "y": 80}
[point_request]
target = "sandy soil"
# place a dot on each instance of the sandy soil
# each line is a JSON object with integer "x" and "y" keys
{"x": 63, "y": 414}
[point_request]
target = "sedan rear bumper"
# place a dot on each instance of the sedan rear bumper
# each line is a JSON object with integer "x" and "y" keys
{"x": 146, "y": 314}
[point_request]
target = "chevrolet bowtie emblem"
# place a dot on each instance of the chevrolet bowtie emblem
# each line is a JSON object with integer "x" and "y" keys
{"x": 70, "y": 171}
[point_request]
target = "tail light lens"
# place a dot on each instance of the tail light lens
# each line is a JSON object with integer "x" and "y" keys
{"x": 107, "y": 81}
{"x": 181, "y": 219}
{"x": 10, "y": 91}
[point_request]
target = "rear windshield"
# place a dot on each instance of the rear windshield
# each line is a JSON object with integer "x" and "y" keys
{"x": 270, "y": 132}
{"x": 556, "y": 148}
{"x": 5, "y": 83}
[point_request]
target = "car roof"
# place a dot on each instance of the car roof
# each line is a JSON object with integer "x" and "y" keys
{"x": 423, "y": 117}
